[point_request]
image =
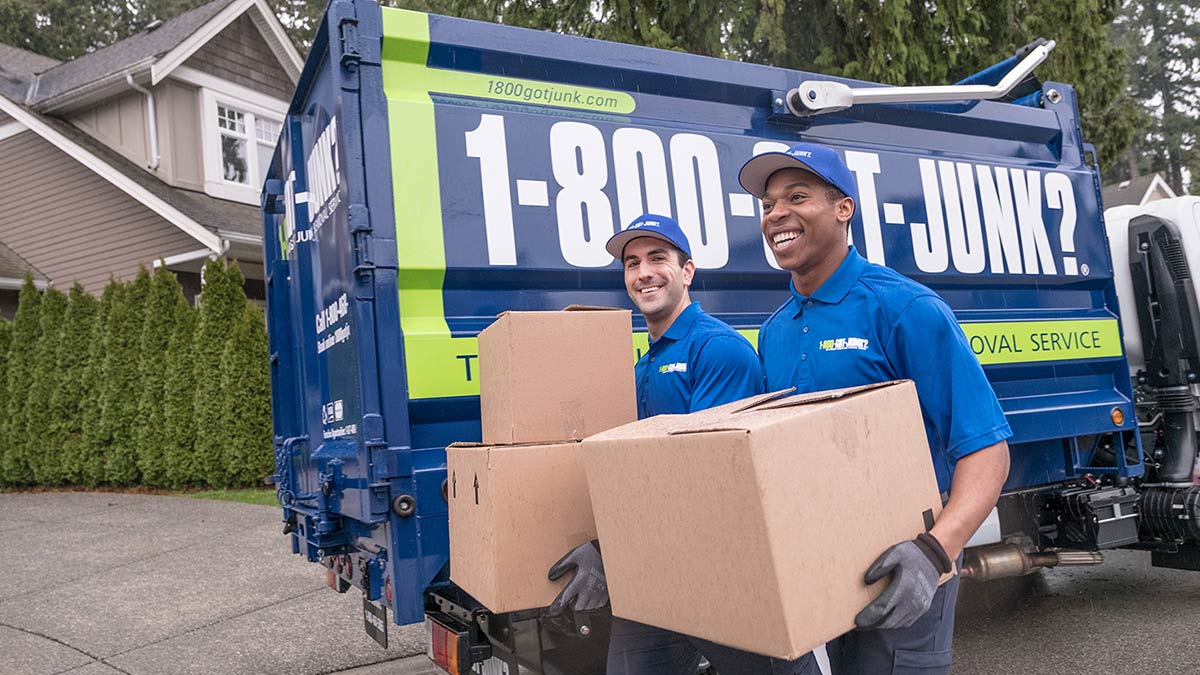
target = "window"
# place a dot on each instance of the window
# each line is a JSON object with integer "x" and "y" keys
{"x": 236, "y": 164}
{"x": 239, "y": 142}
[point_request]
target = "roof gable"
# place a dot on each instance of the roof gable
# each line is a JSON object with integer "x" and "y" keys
{"x": 239, "y": 55}
{"x": 124, "y": 56}
{"x": 150, "y": 56}
{"x": 1137, "y": 191}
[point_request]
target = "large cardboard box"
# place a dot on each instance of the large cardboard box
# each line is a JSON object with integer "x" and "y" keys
{"x": 514, "y": 511}
{"x": 752, "y": 524}
{"x": 556, "y": 376}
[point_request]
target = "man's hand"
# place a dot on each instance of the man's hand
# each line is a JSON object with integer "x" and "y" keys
{"x": 588, "y": 588}
{"x": 916, "y": 567}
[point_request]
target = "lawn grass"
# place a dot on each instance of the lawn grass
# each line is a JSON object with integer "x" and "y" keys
{"x": 262, "y": 496}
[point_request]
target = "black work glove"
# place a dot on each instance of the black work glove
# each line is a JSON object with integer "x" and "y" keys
{"x": 916, "y": 567}
{"x": 588, "y": 588}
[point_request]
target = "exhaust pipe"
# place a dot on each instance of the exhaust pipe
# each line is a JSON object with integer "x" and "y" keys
{"x": 1008, "y": 560}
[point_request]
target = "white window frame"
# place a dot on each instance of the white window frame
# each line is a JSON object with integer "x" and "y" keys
{"x": 214, "y": 175}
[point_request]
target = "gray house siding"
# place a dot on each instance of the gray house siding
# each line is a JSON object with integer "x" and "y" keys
{"x": 179, "y": 129}
{"x": 72, "y": 224}
{"x": 119, "y": 123}
{"x": 240, "y": 55}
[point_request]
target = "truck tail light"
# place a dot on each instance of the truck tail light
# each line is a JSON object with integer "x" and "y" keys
{"x": 447, "y": 647}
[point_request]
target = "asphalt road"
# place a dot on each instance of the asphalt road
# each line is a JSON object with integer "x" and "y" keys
{"x": 115, "y": 584}
{"x": 119, "y": 584}
{"x": 1120, "y": 617}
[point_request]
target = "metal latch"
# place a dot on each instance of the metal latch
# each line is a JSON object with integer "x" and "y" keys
{"x": 815, "y": 97}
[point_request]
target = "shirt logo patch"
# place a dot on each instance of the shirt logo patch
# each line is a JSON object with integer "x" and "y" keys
{"x": 673, "y": 368}
{"x": 839, "y": 344}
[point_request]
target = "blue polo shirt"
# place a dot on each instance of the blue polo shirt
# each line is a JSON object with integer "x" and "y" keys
{"x": 867, "y": 324}
{"x": 698, "y": 363}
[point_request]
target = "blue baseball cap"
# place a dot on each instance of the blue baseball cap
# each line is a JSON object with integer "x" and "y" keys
{"x": 649, "y": 225}
{"x": 827, "y": 164}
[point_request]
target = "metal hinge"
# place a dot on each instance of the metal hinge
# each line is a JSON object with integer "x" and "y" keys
{"x": 351, "y": 53}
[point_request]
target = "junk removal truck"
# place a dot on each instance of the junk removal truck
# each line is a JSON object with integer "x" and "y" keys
{"x": 435, "y": 173}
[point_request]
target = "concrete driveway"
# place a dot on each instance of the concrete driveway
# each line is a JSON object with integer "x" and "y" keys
{"x": 110, "y": 584}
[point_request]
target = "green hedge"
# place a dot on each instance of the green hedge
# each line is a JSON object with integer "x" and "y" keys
{"x": 137, "y": 387}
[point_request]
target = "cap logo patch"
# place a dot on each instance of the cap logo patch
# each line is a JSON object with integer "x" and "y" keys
{"x": 801, "y": 153}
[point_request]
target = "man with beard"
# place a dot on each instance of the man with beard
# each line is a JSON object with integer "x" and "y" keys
{"x": 694, "y": 362}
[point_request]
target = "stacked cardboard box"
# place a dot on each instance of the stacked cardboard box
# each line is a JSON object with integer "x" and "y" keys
{"x": 520, "y": 499}
{"x": 752, "y": 524}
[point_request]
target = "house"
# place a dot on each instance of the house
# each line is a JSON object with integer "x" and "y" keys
{"x": 1136, "y": 191}
{"x": 149, "y": 151}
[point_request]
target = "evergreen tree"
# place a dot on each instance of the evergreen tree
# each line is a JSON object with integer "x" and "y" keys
{"x": 94, "y": 446}
{"x": 1163, "y": 38}
{"x": 68, "y": 402}
{"x": 911, "y": 42}
{"x": 246, "y": 396}
{"x": 14, "y": 461}
{"x": 221, "y": 303}
{"x": 164, "y": 306}
{"x": 6, "y": 335}
{"x": 44, "y": 454}
{"x": 179, "y": 399}
{"x": 121, "y": 389}
{"x": 66, "y": 29}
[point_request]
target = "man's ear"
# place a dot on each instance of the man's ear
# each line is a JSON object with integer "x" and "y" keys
{"x": 689, "y": 271}
{"x": 844, "y": 209}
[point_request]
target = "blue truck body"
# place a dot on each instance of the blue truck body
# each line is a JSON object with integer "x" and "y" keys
{"x": 434, "y": 172}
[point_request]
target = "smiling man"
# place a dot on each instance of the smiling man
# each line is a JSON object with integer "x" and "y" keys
{"x": 694, "y": 362}
{"x": 850, "y": 322}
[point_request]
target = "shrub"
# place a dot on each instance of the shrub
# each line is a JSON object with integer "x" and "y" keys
{"x": 164, "y": 306}
{"x": 69, "y": 401}
{"x": 246, "y": 394}
{"x": 42, "y": 452}
{"x": 122, "y": 384}
{"x": 94, "y": 446}
{"x": 14, "y": 463}
{"x": 221, "y": 302}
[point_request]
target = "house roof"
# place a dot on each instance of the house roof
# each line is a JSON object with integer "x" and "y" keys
{"x": 1136, "y": 191}
{"x": 35, "y": 91}
{"x": 13, "y": 266}
{"x": 25, "y": 63}
{"x": 122, "y": 55}
{"x": 147, "y": 57}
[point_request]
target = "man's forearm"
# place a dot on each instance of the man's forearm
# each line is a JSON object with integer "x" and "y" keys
{"x": 974, "y": 490}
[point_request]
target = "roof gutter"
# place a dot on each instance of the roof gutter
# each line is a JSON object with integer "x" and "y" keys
{"x": 12, "y": 284}
{"x": 90, "y": 92}
{"x": 152, "y": 119}
{"x": 171, "y": 261}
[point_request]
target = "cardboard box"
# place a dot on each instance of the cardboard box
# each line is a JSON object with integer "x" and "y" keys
{"x": 752, "y": 524}
{"x": 556, "y": 376}
{"x": 514, "y": 511}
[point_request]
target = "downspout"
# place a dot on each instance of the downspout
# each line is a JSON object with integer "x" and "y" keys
{"x": 154, "y": 158}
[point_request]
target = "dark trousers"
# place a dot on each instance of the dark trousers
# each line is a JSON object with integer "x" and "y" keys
{"x": 923, "y": 648}
{"x": 638, "y": 649}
